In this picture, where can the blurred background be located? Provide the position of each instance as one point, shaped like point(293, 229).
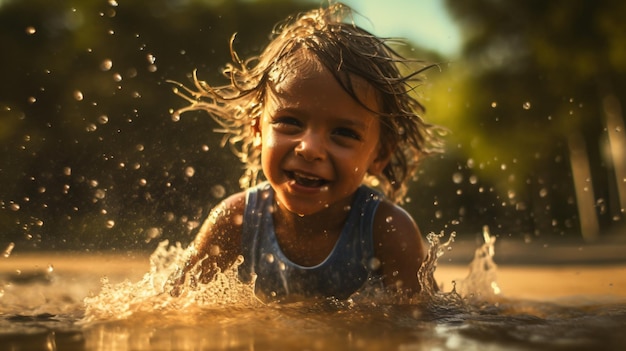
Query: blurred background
point(531, 91)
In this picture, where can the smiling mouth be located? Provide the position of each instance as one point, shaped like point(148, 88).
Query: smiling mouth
point(306, 180)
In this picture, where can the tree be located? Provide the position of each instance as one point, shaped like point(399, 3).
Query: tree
point(540, 82)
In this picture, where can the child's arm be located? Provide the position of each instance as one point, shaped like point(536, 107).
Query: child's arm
point(219, 240)
point(399, 247)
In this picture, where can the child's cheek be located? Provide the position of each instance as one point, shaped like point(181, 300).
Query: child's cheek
point(270, 141)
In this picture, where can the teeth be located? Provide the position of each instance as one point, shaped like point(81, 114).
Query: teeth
point(307, 180)
point(306, 177)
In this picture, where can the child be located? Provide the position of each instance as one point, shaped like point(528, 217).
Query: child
point(321, 112)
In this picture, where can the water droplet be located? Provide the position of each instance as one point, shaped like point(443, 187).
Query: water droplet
point(91, 127)
point(30, 30)
point(601, 205)
point(218, 191)
point(494, 104)
point(78, 95)
point(142, 182)
point(457, 178)
point(473, 180)
point(100, 194)
point(67, 171)
point(374, 263)
point(190, 171)
point(106, 65)
point(8, 250)
point(389, 219)
point(14, 207)
point(110, 223)
point(526, 105)
point(152, 233)
point(103, 119)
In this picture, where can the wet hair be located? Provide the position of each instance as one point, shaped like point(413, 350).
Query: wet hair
point(346, 51)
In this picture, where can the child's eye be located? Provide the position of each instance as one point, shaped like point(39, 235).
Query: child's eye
point(286, 124)
point(348, 133)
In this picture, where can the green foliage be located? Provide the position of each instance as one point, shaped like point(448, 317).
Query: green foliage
point(532, 75)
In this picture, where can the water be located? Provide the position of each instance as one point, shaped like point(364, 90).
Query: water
point(117, 302)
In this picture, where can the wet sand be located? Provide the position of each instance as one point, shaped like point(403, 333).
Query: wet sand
point(573, 283)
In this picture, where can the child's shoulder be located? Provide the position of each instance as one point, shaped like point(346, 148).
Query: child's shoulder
point(392, 220)
point(391, 215)
point(235, 202)
point(228, 213)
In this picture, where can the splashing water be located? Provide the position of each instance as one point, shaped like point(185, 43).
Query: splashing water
point(225, 314)
point(152, 292)
point(481, 283)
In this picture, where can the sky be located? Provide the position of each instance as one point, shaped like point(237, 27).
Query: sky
point(425, 23)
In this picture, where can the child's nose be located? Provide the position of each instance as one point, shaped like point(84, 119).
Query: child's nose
point(311, 147)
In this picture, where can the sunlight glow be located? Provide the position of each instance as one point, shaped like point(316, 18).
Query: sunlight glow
point(425, 23)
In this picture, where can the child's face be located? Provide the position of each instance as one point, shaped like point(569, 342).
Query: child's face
point(317, 142)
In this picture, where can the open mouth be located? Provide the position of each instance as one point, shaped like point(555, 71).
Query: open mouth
point(306, 180)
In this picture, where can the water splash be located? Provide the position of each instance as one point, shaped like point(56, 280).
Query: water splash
point(152, 292)
point(481, 283)
point(430, 294)
point(478, 289)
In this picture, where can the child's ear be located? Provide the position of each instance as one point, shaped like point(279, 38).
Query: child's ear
point(256, 131)
point(256, 126)
point(381, 161)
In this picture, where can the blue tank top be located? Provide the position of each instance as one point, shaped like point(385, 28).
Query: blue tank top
point(342, 273)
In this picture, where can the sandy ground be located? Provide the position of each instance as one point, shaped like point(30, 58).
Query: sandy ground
point(541, 283)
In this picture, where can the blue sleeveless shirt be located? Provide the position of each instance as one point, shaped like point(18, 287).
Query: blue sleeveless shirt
point(342, 273)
